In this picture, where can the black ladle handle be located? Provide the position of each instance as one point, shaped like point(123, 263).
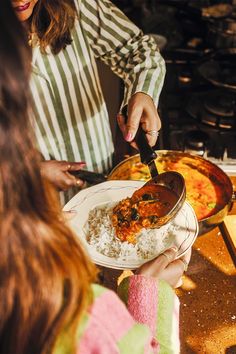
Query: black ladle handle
point(147, 154)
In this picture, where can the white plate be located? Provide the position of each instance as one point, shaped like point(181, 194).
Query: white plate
point(185, 222)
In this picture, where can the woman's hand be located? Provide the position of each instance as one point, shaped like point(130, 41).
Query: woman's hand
point(58, 173)
point(165, 267)
point(141, 110)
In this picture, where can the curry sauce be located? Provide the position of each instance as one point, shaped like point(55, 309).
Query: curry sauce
point(145, 209)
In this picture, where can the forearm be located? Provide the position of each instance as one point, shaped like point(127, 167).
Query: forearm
point(120, 44)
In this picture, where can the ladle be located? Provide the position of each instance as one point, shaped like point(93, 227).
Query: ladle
point(171, 180)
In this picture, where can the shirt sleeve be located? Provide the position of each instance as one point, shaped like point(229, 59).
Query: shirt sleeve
point(156, 305)
point(109, 328)
point(115, 40)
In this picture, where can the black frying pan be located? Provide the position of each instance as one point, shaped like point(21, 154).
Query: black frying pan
point(219, 68)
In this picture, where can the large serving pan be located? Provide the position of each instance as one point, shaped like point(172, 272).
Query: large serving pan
point(190, 165)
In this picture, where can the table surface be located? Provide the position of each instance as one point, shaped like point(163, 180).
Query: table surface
point(207, 296)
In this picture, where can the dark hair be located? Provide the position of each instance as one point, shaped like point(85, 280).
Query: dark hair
point(45, 276)
point(14, 57)
point(52, 22)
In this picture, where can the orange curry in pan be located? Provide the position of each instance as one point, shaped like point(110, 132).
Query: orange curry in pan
point(205, 191)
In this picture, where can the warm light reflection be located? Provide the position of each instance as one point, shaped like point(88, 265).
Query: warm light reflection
point(210, 246)
point(124, 274)
point(188, 283)
point(221, 337)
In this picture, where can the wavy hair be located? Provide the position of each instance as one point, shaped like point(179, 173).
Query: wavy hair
point(52, 22)
point(45, 276)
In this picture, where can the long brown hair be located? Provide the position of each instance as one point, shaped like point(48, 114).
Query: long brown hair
point(52, 22)
point(45, 275)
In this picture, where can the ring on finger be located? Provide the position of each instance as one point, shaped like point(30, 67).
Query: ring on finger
point(185, 264)
point(153, 132)
point(79, 183)
point(166, 255)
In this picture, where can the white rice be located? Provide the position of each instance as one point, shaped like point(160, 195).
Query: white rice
point(100, 234)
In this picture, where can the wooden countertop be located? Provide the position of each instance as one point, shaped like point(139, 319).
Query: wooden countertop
point(207, 296)
point(228, 228)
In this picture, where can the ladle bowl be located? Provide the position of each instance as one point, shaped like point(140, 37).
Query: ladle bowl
point(173, 182)
point(153, 205)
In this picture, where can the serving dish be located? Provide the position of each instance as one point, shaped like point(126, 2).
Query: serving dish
point(209, 189)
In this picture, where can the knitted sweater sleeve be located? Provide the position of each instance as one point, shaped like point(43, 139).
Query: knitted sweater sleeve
point(145, 321)
point(109, 328)
point(156, 305)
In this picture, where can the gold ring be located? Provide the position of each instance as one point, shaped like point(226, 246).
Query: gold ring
point(166, 255)
point(185, 264)
point(152, 132)
point(79, 182)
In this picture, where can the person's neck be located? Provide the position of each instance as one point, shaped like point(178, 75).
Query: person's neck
point(26, 25)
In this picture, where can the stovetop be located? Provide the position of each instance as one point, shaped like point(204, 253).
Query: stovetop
point(196, 115)
point(192, 124)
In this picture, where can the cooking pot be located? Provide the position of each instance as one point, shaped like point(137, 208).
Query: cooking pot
point(131, 168)
point(201, 9)
point(222, 33)
point(219, 68)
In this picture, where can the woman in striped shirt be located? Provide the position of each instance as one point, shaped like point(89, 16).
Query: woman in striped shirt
point(70, 115)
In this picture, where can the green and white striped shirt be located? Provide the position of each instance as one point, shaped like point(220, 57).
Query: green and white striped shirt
point(71, 119)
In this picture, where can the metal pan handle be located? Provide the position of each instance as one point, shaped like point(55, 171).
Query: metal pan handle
point(232, 201)
point(234, 196)
point(89, 176)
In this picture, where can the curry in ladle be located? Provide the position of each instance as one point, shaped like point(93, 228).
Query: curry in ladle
point(147, 208)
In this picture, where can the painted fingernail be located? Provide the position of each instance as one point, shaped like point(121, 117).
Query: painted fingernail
point(72, 211)
point(129, 136)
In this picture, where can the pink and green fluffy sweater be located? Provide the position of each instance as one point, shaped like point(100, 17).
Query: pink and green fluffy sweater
point(142, 319)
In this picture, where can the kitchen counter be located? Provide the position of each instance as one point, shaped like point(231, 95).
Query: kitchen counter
point(207, 296)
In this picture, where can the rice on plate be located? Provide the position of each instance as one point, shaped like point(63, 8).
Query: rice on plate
point(100, 234)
